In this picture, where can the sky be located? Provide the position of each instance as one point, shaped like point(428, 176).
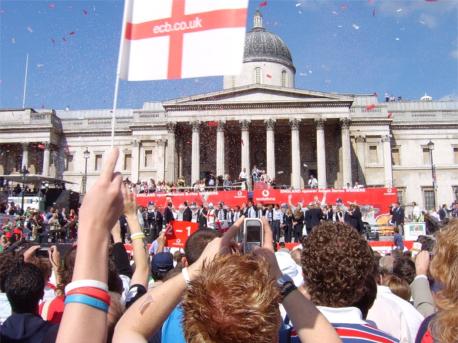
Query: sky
point(404, 48)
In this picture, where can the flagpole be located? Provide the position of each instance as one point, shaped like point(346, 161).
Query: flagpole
point(118, 72)
point(25, 80)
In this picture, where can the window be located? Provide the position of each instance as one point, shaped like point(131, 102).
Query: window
point(98, 162)
point(283, 78)
point(426, 156)
point(69, 162)
point(148, 158)
point(429, 200)
point(257, 75)
point(395, 157)
point(401, 195)
point(455, 155)
point(373, 154)
point(127, 161)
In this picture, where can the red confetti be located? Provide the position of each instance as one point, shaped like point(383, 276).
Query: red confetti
point(343, 7)
point(72, 33)
point(263, 4)
point(41, 146)
point(85, 12)
point(269, 76)
point(52, 6)
point(212, 124)
point(390, 114)
point(64, 39)
point(370, 107)
point(242, 142)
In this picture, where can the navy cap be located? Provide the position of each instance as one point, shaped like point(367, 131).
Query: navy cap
point(162, 262)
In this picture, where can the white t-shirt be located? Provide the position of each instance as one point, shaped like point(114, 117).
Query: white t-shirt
point(395, 316)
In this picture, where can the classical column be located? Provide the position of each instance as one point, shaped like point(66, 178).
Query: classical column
point(135, 163)
point(245, 128)
point(25, 155)
point(361, 154)
point(180, 157)
point(386, 140)
point(171, 160)
point(346, 153)
point(46, 159)
point(220, 153)
point(295, 155)
point(195, 156)
point(270, 148)
point(321, 154)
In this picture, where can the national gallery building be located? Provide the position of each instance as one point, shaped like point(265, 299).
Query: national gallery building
point(258, 118)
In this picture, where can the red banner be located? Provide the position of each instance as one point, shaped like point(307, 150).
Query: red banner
point(179, 233)
point(379, 198)
point(229, 198)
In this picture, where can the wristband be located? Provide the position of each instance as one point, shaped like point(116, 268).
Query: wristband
point(286, 289)
point(138, 235)
point(87, 300)
point(92, 292)
point(137, 238)
point(186, 277)
point(86, 283)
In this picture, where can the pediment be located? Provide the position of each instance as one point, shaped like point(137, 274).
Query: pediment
point(260, 94)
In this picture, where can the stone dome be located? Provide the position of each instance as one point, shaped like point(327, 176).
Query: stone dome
point(264, 46)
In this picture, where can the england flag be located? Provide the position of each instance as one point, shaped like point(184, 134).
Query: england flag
point(174, 39)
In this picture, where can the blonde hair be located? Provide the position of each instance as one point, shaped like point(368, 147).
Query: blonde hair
point(398, 286)
point(444, 269)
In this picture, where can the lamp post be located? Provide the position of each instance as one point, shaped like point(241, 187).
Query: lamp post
point(86, 155)
point(24, 173)
point(433, 170)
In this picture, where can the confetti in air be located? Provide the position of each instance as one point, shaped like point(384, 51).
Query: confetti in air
point(399, 10)
point(52, 6)
point(29, 29)
point(85, 12)
point(356, 27)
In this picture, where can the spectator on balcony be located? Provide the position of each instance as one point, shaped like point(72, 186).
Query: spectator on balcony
point(313, 182)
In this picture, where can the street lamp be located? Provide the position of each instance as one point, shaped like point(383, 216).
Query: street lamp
point(24, 173)
point(86, 155)
point(433, 170)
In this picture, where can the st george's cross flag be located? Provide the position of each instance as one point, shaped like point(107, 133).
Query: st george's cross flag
point(174, 39)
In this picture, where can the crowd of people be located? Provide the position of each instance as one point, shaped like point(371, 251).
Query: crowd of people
point(331, 287)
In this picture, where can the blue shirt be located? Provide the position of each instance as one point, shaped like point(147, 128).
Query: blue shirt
point(172, 331)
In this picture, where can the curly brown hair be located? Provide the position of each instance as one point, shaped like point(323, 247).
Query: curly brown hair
point(335, 262)
point(444, 269)
point(233, 300)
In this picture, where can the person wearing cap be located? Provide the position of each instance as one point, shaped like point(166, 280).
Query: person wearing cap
point(161, 264)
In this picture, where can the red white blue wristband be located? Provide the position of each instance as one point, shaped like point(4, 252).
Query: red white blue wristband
point(87, 300)
point(86, 283)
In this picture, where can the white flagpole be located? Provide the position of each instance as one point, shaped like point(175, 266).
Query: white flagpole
point(25, 80)
point(118, 72)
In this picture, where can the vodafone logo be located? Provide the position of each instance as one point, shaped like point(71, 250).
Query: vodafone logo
point(239, 193)
point(389, 190)
point(265, 193)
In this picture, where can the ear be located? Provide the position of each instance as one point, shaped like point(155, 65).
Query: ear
point(184, 262)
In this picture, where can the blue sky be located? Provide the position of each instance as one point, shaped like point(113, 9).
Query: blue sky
point(405, 48)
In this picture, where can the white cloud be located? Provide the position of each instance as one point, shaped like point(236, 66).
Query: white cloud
point(454, 54)
point(428, 20)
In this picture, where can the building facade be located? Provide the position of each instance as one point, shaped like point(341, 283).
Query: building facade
point(259, 118)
